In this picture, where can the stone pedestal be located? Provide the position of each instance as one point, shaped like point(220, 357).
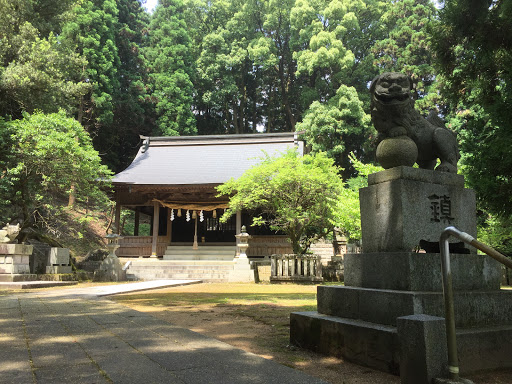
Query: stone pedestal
point(242, 271)
point(14, 262)
point(405, 209)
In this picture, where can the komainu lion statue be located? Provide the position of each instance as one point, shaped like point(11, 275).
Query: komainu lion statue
point(394, 116)
point(9, 232)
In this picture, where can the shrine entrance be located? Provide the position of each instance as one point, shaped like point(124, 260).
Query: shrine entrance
point(209, 228)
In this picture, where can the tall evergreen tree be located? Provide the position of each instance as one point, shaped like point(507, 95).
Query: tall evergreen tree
point(336, 78)
point(92, 32)
point(133, 110)
point(171, 70)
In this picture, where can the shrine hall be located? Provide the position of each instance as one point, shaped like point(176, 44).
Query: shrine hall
point(170, 187)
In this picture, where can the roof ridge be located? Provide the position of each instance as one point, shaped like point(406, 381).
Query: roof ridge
point(242, 136)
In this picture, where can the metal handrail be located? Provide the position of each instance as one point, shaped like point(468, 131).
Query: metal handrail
point(453, 365)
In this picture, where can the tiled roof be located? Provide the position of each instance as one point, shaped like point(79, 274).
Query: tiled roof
point(187, 160)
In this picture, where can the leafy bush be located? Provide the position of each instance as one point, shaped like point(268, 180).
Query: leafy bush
point(50, 155)
point(297, 195)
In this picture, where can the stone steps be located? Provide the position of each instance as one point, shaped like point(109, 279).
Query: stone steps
point(207, 271)
point(204, 252)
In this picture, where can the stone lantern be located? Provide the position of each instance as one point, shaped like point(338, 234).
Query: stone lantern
point(243, 242)
point(242, 270)
point(110, 268)
point(113, 244)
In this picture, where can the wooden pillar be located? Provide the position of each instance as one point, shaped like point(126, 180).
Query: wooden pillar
point(238, 222)
point(136, 222)
point(117, 219)
point(169, 226)
point(156, 219)
point(195, 246)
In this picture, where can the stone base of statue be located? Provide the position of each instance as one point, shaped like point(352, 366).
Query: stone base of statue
point(14, 262)
point(389, 315)
point(406, 208)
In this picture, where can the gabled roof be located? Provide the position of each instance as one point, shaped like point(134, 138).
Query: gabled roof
point(192, 160)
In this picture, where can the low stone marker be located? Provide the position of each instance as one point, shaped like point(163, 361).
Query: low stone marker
point(58, 261)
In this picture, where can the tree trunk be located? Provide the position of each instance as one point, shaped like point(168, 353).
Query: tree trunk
point(235, 117)
point(284, 95)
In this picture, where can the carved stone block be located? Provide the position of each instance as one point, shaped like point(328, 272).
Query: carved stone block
point(58, 256)
point(405, 209)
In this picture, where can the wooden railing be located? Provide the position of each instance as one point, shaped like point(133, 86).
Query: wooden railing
point(296, 268)
point(140, 246)
point(135, 246)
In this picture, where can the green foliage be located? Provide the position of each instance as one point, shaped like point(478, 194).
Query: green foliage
point(297, 195)
point(91, 32)
point(83, 57)
point(329, 127)
point(169, 53)
point(6, 160)
point(36, 71)
point(473, 42)
point(349, 214)
point(496, 231)
point(334, 59)
point(49, 153)
point(134, 113)
point(43, 75)
point(407, 48)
